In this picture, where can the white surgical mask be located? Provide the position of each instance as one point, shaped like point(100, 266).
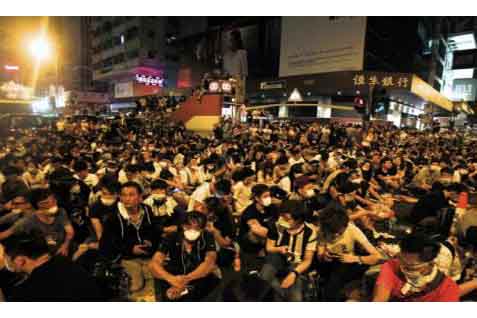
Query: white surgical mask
point(267, 201)
point(163, 164)
point(52, 211)
point(16, 211)
point(415, 282)
point(357, 181)
point(310, 193)
point(191, 235)
point(107, 201)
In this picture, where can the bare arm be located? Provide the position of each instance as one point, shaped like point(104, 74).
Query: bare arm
point(305, 264)
point(257, 229)
point(381, 293)
point(205, 268)
point(98, 227)
point(157, 269)
point(468, 287)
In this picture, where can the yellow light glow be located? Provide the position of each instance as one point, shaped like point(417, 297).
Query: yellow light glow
point(40, 49)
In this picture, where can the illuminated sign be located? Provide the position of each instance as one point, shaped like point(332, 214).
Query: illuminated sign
point(150, 80)
point(12, 67)
point(295, 96)
point(214, 87)
point(226, 87)
point(219, 86)
point(383, 80)
point(12, 90)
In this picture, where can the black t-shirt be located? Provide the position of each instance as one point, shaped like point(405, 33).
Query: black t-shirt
point(266, 219)
point(225, 225)
point(181, 262)
point(428, 206)
point(102, 212)
point(59, 279)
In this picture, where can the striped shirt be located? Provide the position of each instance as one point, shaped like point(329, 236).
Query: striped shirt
point(298, 243)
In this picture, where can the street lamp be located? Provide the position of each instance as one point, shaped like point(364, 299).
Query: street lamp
point(40, 49)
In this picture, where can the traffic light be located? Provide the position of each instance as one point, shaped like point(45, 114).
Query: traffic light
point(360, 104)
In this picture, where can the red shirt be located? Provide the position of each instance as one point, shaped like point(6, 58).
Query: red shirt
point(388, 277)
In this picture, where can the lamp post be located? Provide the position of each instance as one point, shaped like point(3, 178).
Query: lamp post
point(41, 49)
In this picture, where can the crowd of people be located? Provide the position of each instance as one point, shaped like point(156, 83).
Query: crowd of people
point(288, 211)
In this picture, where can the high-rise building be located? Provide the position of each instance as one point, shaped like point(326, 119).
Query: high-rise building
point(131, 55)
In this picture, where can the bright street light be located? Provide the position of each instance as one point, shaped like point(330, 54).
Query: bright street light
point(40, 49)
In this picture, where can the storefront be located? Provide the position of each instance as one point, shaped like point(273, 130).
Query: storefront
point(406, 95)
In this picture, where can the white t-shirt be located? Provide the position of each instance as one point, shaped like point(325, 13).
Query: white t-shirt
point(293, 161)
point(200, 194)
point(242, 196)
point(346, 242)
point(285, 184)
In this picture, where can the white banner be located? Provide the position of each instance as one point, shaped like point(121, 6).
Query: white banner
point(122, 90)
point(311, 45)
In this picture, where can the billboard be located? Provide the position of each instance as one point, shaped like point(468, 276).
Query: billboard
point(464, 89)
point(311, 45)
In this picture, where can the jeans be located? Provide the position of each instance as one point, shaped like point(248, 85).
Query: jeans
point(278, 264)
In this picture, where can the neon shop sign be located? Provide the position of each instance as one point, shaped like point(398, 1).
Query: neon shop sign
point(150, 80)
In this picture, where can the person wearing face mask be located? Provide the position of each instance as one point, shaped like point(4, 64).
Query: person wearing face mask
point(305, 191)
point(49, 220)
point(104, 206)
point(253, 227)
point(188, 274)
point(18, 207)
point(48, 277)
point(414, 276)
point(164, 206)
point(291, 245)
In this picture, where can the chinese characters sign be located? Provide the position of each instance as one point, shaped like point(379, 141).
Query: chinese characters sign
point(383, 80)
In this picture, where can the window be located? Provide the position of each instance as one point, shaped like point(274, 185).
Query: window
point(132, 33)
point(132, 54)
point(118, 59)
point(117, 40)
